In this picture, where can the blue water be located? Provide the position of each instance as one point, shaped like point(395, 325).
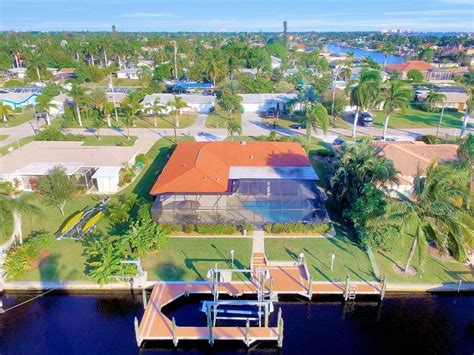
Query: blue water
point(360, 53)
point(103, 324)
point(273, 211)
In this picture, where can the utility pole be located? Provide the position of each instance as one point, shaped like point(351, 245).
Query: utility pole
point(175, 52)
point(111, 85)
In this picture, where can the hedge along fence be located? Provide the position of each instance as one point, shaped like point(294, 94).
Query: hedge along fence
point(208, 229)
point(23, 258)
point(323, 229)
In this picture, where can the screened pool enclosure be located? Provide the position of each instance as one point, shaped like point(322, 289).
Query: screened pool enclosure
point(254, 201)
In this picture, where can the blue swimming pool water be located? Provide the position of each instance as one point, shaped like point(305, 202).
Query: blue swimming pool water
point(277, 211)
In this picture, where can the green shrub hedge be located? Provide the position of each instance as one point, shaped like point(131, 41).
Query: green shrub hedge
point(300, 228)
point(18, 259)
point(207, 229)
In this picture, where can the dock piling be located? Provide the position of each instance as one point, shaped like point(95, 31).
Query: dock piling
point(310, 288)
point(247, 333)
point(175, 338)
point(280, 329)
point(144, 298)
point(384, 287)
point(209, 325)
point(347, 288)
point(137, 332)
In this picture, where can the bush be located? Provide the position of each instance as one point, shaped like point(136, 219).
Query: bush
point(428, 139)
point(297, 228)
point(13, 82)
point(141, 158)
point(248, 227)
point(18, 110)
point(126, 175)
point(54, 134)
point(215, 229)
point(189, 228)
point(18, 259)
point(171, 228)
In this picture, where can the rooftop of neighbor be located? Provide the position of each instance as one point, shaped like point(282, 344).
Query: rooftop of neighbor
point(42, 156)
point(205, 167)
point(196, 99)
point(410, 65)
point(409, 157)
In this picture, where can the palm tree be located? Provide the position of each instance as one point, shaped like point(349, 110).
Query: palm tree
point(43, 103)
point(365, 94)
point(5, 110)
point(467, 112)
point(436, 212)
point(387, 49)
point(234, 127)
point(98, 99)
point(434, 98)
point(97, 124)
point(132, 107)
point(306, 96)
point(77, 93)
point(157, 108)
point(19, 206)
point(178, 104)
point(316, 117)
point(396, 98)
point(350, 57)
point(144, 73)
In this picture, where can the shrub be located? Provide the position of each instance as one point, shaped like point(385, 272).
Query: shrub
point(13, 82)
point(428, 139)
point(248, 227)
point(126, 175)
point(300, 228)
point(189, 228)
point(215, 229)
point(18, 259)
point(141, 158)
point(171, 228)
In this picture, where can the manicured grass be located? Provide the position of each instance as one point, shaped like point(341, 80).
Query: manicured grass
point(3, 137)
point(433, 270)
point(190, 258)
point(350, 258)
point(16, 119)
point(219, 119)
point(21, 142)
point(66, 262)
point(110, 141)
point(414, 118)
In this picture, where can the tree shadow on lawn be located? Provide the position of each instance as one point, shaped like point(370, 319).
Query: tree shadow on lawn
point(324, 275)
point(169, 271)
point(291, 253)
point(315, 257)
point(367, 278)
point(466, 276)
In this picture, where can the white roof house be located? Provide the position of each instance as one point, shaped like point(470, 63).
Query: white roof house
point(275, 62)
point(93, 167)
point(196, 102)
point(19, 73)
point(263, 102)
point(129, 73)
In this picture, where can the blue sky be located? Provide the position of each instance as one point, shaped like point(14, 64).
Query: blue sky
point(236, 15)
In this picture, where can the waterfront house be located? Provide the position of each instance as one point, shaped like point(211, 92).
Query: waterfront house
point(412, 158)
point(237, 182)
point(455, 96)
point(65, 74)
point(429, 71)
point(196, 102)
point(263, 102)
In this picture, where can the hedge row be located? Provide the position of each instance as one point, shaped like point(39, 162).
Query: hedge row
point(208, 229)
point(301, 228)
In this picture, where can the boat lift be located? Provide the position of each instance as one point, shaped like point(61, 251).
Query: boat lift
point(239, 310)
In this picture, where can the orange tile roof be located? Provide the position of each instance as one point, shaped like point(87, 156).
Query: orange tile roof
point(204, 166)
point(67, 70)
point(408, 157)
point(410, 65)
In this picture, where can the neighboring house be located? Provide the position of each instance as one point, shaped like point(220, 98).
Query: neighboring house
point(15, 73)
point(290, 72)
point(429, 71)
point(300, 47)
point(129, 73)
point(59, 102)
point(275, 62)
point(95, 169)
point(456, 96)
point(186, 86)
point(413, 158)
point(232, 182)
point(65, 74)
point(195, 102)
point(18, 99)
point(248, 71)
point(263, 102)
point(146, 63)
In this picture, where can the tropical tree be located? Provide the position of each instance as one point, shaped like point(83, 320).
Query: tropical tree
point(215, 66)
point(44, 104)
point(143, 235)
point(317, 116)
point(56, 188)
point(132, 107)
point(230, 102)
point(397, 97)
point(234, 127)
point(77, 93)
point(98, 99)
point(436, 212)
point(145, 74)
point(157, 108)
point(178, 104)
point(434, 98)
point(97, 124)
point(387, 49)
point(365, 94)
point(469, 108)
point(415, 76)
point(306, 96)
point(17, 207)
point(5, 111)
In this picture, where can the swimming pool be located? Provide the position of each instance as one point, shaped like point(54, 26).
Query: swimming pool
point(280, 211)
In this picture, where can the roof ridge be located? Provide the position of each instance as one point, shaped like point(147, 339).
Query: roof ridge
point(401, 147)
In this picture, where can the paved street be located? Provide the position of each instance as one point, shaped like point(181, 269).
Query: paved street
point(251, 126)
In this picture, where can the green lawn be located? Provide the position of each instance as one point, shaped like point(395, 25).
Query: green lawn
point(190, 258)
point(219, 119)
point(17, 119)
point(350, 259)
point(110, 141)
point(3, 137)
point(434, 270)
point(21, 142)
point(414, 118)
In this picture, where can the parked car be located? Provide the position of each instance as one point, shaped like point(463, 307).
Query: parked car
point(387, 139)
point(366, 119)
point(338, 141)
point(298, 126)
point(271, 113)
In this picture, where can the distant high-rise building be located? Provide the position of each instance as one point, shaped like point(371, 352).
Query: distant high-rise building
point(285, 28)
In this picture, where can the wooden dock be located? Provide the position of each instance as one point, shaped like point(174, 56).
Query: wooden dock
point(271, 278)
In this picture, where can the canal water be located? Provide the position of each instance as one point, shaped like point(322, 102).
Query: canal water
point(103, 324)
point(361, 53)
